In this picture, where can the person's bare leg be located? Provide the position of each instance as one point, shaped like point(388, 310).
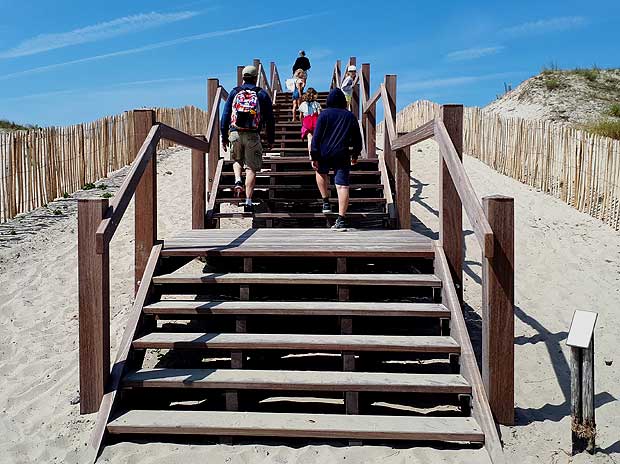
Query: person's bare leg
point(322, 182)
point(237, 170)
point(250, 182)
point(309, 143)
point(343, 199)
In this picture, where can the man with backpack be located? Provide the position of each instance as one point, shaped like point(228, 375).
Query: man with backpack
point(302, 62)
point(247, 109)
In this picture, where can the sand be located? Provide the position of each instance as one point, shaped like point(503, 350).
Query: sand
point(565, 260)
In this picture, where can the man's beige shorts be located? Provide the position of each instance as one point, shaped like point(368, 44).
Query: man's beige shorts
point(245, 148)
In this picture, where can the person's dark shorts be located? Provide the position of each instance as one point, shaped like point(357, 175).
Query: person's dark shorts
point(341, 171)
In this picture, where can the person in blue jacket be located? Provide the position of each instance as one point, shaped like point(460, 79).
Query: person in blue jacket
point(247, 109)
point(336, 145)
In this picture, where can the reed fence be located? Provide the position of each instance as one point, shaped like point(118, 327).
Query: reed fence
point(580, 168)
point(40, 165)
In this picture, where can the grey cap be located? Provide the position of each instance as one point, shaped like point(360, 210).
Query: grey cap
point(250, 71)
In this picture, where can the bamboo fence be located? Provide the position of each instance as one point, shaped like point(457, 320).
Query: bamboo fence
point(580, 168)
point(40, 165)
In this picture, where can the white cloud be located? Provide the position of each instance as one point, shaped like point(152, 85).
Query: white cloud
point(452, 81)
point(168, 43)
point(473, 53)
point(120, 26)
point(543, 26)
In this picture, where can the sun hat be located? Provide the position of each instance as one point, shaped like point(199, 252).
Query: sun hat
point(250, 71)
point(352, 68)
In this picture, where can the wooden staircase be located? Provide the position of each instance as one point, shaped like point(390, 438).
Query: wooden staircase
point(319, 335)
point(286, 194)
point(298, 334)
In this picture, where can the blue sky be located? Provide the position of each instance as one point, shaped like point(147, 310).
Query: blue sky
point(62, 64)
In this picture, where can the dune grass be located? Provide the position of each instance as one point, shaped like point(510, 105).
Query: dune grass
point(606, 127)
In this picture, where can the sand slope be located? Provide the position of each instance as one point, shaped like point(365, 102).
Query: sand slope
point(565, 261)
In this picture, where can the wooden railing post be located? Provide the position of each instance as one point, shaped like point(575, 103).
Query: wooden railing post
point(390, 87)
point(498, 310)
point(402, 181)
point(355, 97)
point(450, 206)
point(146, 196)
point(94, 306)
point(240, 75)
point(214, 141)
point(369, 120)
point(272, 76)
point(199, 186)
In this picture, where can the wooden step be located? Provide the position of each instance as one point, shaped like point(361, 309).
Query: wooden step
point(238, 379)
point(306, 187)
point(350, 215)
point(302, 342)
point(297, 308)
point(329, 426)
point(302, 200)
point(418, 280)
point(308, 172)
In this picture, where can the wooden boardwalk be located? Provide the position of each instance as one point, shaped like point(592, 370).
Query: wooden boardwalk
point(289, 329)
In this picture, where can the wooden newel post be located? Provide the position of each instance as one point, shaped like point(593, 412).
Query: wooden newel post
point(369, 119)
point(214, 141)
point(450, 206)
point(146, 196)
point(402, 181)
point(240, 75)
point(581, 341)
point(388, 155)
point(498, 310)
point(199, 187)
point(94, 306)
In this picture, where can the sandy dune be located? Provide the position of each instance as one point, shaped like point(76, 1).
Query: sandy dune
point(565, 261)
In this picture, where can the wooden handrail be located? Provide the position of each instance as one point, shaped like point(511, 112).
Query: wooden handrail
point(214, 114)
point(367, 106)
point(224, 96)
point(181, 138)
point(117, 208)
point(419, 134)
point(466, 191)
point(115, 212)
point(388, 116)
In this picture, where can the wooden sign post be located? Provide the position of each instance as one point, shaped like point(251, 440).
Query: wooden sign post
point(581, 341)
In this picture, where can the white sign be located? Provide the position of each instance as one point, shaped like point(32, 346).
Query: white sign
point(581, 329)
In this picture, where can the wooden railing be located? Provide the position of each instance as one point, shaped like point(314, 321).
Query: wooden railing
point(98, 220)
point(492, 223)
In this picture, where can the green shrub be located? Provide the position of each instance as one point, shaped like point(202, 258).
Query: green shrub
point(606, 128)
point(65, 195)
point(102, 186)
point(552, 83)
point(57, 212)
point(588, 74)
point(550, 69)
point(107, 195)
point(614, 110)
point(89, 186)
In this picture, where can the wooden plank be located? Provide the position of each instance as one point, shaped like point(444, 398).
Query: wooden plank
point(94, 306)
point(369, 118)
point(469, 367)
point(587, 398)
point(420, 280)
point(199, 188)
point(354, 214)
point(253, 341)
point(212, 207)
point(213, 129)
point(329, 426)
point(181, 138)
point(498, 310)
point(387, 191)
point(297, 308)
point(424, 132)
point(309, 172)
point(145, 197)
point(306, 187)
point(303, 200)
point(126, 191)
point(576, 373)
point(372, 101)
point(388, 94)
point(297, 380)
point(420, 251)
point(402, 182)
point(463, 191)
point(120, 363)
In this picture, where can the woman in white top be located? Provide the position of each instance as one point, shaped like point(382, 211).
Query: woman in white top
point(348, 82)
point(300, 77)
point(309, 109)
